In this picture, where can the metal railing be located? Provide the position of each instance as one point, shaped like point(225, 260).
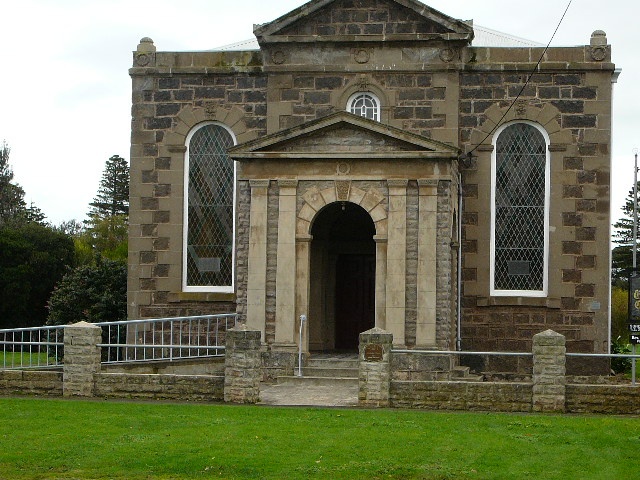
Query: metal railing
point(35, 347)
point(165, 339)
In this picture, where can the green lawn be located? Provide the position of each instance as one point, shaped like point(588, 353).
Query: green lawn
point(58, 439)
point(17, 359)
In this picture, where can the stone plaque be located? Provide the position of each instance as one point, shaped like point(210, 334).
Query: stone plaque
point(373, 352)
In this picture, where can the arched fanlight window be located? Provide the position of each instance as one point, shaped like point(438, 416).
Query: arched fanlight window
point(520, 210)
point(364, 104)
point(208, 253)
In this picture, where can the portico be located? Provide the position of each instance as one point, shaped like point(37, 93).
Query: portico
point(351, 199)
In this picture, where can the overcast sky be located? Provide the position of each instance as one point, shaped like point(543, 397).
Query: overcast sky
point(65, 91)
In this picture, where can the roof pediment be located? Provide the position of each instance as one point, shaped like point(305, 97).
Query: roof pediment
point(363, 21)
point(343, 135)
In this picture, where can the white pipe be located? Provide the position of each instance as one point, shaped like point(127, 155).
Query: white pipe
point(303, 318)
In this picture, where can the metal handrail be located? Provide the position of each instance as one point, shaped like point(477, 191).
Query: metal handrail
point(153, 340)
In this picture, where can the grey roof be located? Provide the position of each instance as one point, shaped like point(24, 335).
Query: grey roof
point(484, 37)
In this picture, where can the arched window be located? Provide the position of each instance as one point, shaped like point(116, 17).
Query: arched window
point(365, 104)
point(208, 253)
point(520, 213)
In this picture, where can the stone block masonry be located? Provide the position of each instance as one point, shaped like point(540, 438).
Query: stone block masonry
point(243, 363)
point(81, 359)
point(375, 368)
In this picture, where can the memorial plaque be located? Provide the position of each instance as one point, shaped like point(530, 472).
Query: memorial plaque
point(373, 352)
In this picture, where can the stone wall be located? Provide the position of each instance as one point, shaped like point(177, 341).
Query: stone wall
point(159, 386)
point(574, 109)
point(29, 382)
point(605, 399)
point(447, 395)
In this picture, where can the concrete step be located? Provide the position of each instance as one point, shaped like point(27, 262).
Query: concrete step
point(318, 381)
point(459, 372)
point(462, 374)
point(329, 371)
point(338, 362)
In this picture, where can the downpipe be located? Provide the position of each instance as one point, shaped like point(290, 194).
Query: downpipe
point(459, 269)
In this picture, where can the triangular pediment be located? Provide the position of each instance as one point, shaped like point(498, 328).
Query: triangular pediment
point(364, 20)
point(343, 135)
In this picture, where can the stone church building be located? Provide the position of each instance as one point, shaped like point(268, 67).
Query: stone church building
point(375, 163)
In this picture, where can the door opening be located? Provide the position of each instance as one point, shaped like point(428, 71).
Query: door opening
point(342, 289)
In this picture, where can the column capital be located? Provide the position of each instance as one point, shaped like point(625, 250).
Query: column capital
point(428, 186)
point(287, 183)
point(259, 183)
point(397, 182)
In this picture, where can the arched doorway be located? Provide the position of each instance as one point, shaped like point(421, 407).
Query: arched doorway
point(342, 289)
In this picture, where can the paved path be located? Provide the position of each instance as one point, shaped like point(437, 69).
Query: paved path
point(312, 395)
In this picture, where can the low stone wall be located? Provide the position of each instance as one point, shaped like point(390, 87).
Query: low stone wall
point(159, 387)
point(609, 399)
point(196, 366)
point(481, 396)
point(31, 382)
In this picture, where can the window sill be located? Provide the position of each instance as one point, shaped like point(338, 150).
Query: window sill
point(177, 297)
point(547, 302)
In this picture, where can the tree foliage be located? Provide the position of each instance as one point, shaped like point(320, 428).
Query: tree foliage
point(91, 293)
point(622, 255)
point(33, 258)
point(113, 194)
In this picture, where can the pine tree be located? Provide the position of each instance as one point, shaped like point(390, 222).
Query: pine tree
point(622, 256)
point(107, 226)
point(113, 193)
point(12, 204)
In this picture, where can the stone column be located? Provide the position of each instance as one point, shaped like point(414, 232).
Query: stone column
point(381, 281)
point(374, 360)
point(303, 262)
point(242, 365)
point(81, 359)
point(257, 260)
point(396, 260)
point(427, 273)
point(286, 267)
point(549, 381)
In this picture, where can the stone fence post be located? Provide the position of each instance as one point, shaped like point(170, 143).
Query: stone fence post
point(81, 359)
point(242, 365)
point(549, 368)
point(374, 360)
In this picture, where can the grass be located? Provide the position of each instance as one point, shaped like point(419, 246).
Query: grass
point(25, 358)
point(58, 439)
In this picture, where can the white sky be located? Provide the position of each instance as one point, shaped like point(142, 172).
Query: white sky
point(65, 91)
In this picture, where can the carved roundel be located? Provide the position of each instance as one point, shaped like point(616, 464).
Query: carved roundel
point(343, 168)
point(361, 56)
point(143, 59)
point(447, 54)
point(278, 57)
point(598, 53)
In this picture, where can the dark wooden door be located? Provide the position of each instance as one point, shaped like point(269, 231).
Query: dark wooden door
point(355, 299)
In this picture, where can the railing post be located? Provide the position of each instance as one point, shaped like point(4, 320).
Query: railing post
point(242, 365)
point(374, 360)
point(81, 359)
point(549, 369)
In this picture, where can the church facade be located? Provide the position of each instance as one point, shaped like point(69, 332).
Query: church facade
point(374, 163)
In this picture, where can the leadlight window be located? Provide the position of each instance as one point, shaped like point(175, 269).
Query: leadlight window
point(364, 104)
point(520, 211)
point(209, 218)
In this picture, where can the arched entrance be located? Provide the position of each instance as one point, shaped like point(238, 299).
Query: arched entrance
point(342, 289)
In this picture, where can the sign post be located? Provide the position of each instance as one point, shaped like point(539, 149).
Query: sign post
point(634, 318)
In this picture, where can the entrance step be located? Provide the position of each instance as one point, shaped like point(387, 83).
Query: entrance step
point(318, 381)
point(463, 374)
point(329, 372)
